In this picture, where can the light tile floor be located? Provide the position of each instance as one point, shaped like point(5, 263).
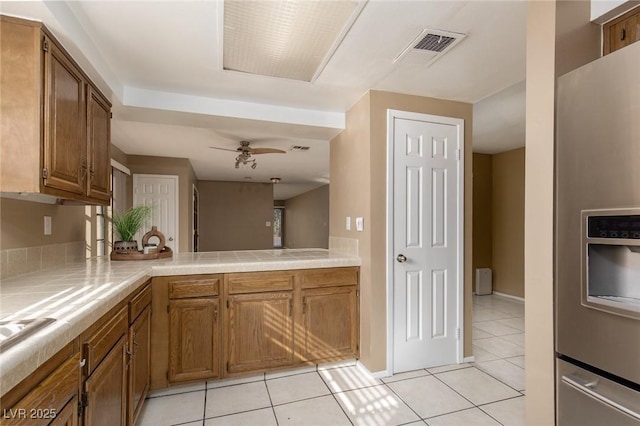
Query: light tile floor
point(487, 392)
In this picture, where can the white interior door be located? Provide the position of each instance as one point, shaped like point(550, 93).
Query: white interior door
point(161, 192)
point(427, 255)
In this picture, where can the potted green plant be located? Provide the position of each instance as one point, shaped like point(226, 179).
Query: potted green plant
point(127, 224)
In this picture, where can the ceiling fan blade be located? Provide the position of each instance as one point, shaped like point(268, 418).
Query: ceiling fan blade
point(223, 149)
point(256, 151)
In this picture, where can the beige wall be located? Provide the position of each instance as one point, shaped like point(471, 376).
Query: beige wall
point(306, 219)
point(482, 206)
point(22, 224)
point(350, 195)
point(559, 38)
point(182, 168)
point(233, 215)
point(358, 174)
point(508, 222)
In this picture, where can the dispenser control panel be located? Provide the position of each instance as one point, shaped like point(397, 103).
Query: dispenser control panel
point(625, 227)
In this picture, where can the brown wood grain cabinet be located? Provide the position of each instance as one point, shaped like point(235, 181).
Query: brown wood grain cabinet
point(54, 122)
point(47, 396)
point(116, 356)
point(139, 363)
point(621, 31)
point(185, 329)
point(105, 356)
point(329, 324)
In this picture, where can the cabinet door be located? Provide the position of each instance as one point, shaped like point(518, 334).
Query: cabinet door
point(329, 323)
point(99, 146)
point(106, 389)
point(64, 154)
point(194, 339)
point(68, 416)
point(259, 331)
point(139, 367)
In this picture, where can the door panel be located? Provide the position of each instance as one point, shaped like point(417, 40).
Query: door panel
point(65, 134)
point(99, 131)
point(426, 229)
point(259, 331)
point(160, 192)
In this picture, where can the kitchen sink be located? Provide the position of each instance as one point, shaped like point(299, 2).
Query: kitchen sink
point(15, 331)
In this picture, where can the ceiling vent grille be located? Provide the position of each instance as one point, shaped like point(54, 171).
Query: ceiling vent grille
point(428, 46)
point(434, 43)
point(299, 148)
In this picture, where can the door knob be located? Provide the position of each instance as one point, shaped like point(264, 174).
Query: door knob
point(401, 258)
point(170, 238)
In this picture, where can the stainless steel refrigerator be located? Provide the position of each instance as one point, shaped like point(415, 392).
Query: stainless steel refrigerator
point(597, 253)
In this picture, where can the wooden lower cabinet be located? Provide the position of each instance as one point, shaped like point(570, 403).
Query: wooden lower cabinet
point(329, 324)
point(259, 331)
point(106, 389)
point(44, 398)
point(139, 365)
point(193, 339)
point(68, 416)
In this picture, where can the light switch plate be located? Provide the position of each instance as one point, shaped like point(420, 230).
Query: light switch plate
point(47, 225)
point(359, 224)
point(267, 224)
point(348, 223)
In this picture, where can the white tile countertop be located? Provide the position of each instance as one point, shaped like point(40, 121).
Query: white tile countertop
point(78, 294)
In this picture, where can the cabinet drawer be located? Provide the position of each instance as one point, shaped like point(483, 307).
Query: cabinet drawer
point(258, 282)
point(99, 343)
point(185, 288)
point(46, 400)
point(329, 277)
point(139, 302)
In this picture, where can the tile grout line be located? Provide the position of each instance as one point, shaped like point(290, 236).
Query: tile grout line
point(273, 409)
point(335, 399)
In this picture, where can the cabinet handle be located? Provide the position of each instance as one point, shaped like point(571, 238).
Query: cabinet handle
point(84, 170)
point(129, 356)
point(215, 314)
point(304, 305)
point(135, 346)
point(623, 34)
point(290, 307)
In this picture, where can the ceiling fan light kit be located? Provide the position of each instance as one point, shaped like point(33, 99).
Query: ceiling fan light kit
point(246, 152)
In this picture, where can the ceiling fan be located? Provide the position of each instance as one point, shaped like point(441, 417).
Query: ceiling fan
point(245, 153)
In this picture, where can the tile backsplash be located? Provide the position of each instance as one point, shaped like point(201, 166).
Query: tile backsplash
point(31, 259)
point(347, 246)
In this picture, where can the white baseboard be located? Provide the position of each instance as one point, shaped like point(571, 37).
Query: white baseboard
point(508, 296)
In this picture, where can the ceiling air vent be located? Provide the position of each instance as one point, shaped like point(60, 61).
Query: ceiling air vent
point(434, 43)
point(299, 148)
point(428, 46)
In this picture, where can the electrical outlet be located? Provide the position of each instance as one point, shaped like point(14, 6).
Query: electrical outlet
point(267, 224)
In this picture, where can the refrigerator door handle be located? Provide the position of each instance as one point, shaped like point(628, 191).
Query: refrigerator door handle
point(588, 387)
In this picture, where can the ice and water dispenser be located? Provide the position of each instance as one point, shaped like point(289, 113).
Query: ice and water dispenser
point(611, 261)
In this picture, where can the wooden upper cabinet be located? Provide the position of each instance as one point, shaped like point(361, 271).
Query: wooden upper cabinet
point(99, 146)
point(54, 124)
point(622, 31)
point(64, 132)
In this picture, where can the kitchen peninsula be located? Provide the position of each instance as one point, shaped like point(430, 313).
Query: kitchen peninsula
point(90, 301)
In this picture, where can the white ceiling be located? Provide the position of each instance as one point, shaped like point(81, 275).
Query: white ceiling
point(162, 63)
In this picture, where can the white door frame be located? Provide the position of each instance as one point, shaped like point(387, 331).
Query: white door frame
point(175, 246)
point(391, 116)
